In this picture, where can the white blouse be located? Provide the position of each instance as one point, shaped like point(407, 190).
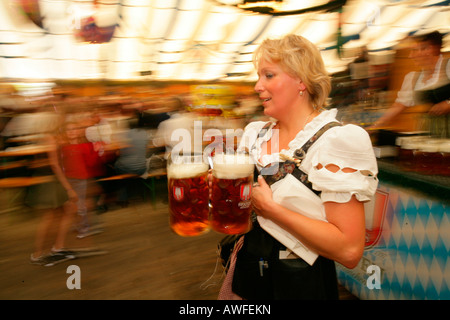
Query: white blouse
point(441, 76)
point(346, 146)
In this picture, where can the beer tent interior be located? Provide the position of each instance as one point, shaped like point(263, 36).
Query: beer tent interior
point(207, 40)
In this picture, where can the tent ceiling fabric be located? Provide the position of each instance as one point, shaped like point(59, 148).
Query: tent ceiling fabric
point(193, 39)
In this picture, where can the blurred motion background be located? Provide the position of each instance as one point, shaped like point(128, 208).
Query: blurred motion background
point(111, 67)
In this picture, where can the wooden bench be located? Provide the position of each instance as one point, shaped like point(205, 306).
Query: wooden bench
point(21, 182)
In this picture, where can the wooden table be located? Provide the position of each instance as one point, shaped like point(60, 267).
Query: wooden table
point(17, 182)
point(24, 150)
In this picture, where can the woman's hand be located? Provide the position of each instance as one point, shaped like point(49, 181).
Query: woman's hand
point(440, 108)
point(72, 195)
point(261, 197)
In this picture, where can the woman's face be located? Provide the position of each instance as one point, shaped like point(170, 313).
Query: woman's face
point(423, 52)
point(278, 90)
point(73, 131)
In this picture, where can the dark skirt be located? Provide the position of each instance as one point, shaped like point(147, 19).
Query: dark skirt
point(260, 274)
point(50, 195)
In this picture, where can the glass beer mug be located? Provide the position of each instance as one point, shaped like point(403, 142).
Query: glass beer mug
point(232, 179)
point(188, 194)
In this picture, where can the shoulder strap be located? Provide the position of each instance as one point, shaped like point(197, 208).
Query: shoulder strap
point(277, 171)
point(264, 129)
point(301, 152)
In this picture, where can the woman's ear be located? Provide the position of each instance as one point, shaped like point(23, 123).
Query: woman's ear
point(301, 85)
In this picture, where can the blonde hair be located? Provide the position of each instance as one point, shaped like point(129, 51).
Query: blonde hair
point(301, 59)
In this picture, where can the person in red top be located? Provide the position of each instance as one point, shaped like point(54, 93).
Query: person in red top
point(81, 164)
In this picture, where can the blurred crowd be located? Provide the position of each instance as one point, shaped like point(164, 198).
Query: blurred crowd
point(102, 138)
point(79, 156)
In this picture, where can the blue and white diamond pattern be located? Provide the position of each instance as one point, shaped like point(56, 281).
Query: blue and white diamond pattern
point(413, 251)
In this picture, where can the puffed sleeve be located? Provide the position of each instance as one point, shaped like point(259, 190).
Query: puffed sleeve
point(350, 147)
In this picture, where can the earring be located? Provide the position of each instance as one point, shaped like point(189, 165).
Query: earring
point(301, 92)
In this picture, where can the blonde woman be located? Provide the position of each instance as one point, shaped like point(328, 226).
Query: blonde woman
point(301, 229)
point(55, 200)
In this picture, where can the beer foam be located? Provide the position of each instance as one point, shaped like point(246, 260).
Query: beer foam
point(186, 170)
point(229, 166)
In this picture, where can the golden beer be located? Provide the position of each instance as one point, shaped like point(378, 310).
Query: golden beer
point(232, 180)
point(188, 195)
